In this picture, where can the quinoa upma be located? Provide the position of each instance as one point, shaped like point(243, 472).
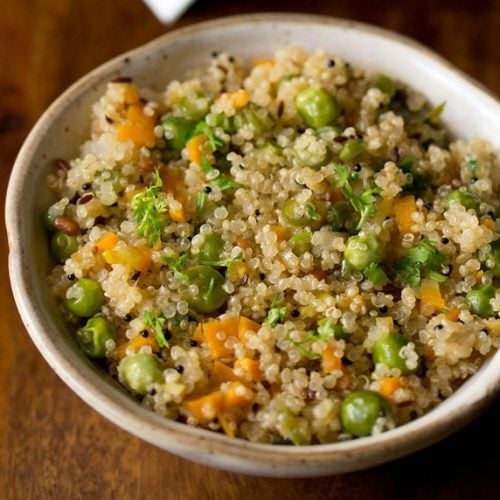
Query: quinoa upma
point(287, 252)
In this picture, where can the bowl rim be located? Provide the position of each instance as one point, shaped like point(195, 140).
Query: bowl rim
point(200, 444)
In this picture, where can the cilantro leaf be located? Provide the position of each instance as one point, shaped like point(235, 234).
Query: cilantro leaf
point(365, 203)
point(149, 211)
point(223, 262)
point(176, 264)
point(406, 163)
point(223, 182)
point(275, 314)
point(157, 324)
point(204, 128)
point(376, 274)
point(423, 259)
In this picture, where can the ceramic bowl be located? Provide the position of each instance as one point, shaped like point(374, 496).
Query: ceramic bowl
point(470, 111)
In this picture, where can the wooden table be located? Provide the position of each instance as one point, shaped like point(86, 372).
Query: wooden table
point(52, 445)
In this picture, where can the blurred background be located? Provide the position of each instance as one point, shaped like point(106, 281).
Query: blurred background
point(54, 446)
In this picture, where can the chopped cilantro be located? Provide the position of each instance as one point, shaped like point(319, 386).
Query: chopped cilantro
point(223, 182)
point(364, 203)
point(310, 211)
point(157, 324)
point(204, 128)
point(421, 260)
point(376, 274)
point(201, 202)
point(275, 314)
point(406, 163)
point(176, 264)
point(149, 211)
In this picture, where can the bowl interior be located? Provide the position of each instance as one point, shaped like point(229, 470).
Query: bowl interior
point(469, 112)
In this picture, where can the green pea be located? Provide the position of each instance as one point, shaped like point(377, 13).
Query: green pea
point(466, 199)
point(211, 248)
point(211, 294)
point(362, 250)
point(351, 149)
point(495, 257)
point(93, 336)
point(252, 115)
point(317, 107)
point(140, 371)
point(387, 351)
point(63, 246)
point(479, 300)
point(87, 298)
point(386, 85)
point(328, 328)
point(359, 412)
point(194, 108)
point(301, 242)
point(298, 215)
point(176, 130)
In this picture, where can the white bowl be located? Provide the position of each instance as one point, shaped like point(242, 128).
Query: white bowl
point(470, 111)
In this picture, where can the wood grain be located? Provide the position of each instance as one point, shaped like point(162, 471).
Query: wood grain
point(54, 446)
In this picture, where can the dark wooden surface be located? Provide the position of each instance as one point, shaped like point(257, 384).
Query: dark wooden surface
point(52, 445)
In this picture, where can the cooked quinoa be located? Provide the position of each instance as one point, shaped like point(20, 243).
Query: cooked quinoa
point(284, 251)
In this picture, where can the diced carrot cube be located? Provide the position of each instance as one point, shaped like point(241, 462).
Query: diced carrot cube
point(136, 343)
point(430, 294)
point(239, 98)
point(216, 334)
point(250, 367)
point(281, 232)
point(107, 242)
point(205, 408)
point(389, 385)
point(222, 373)
point(246, 325)
point(194, 147)
point(237, 395)
point(330, 361)
point(489, 223)
point(452, 314)
point(404, 208)
point(131, 94)
point(261, 61)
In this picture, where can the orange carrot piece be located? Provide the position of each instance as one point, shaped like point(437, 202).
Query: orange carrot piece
point(489, 223)
point(389, 385)
point(222, 373)
point(430, 294)
point(205, 408)
point(452, 314)
point(240, 98)
point(403, 209)
point(131, 94)
point(194, 146)
point(107, 242)
point(250, 367)
point(138, 127)
point(237, 395)
point(217, 332)
point(138, 258)
point(330, 361)
point(246, 325)
point(136, 343)
point(281, 232)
